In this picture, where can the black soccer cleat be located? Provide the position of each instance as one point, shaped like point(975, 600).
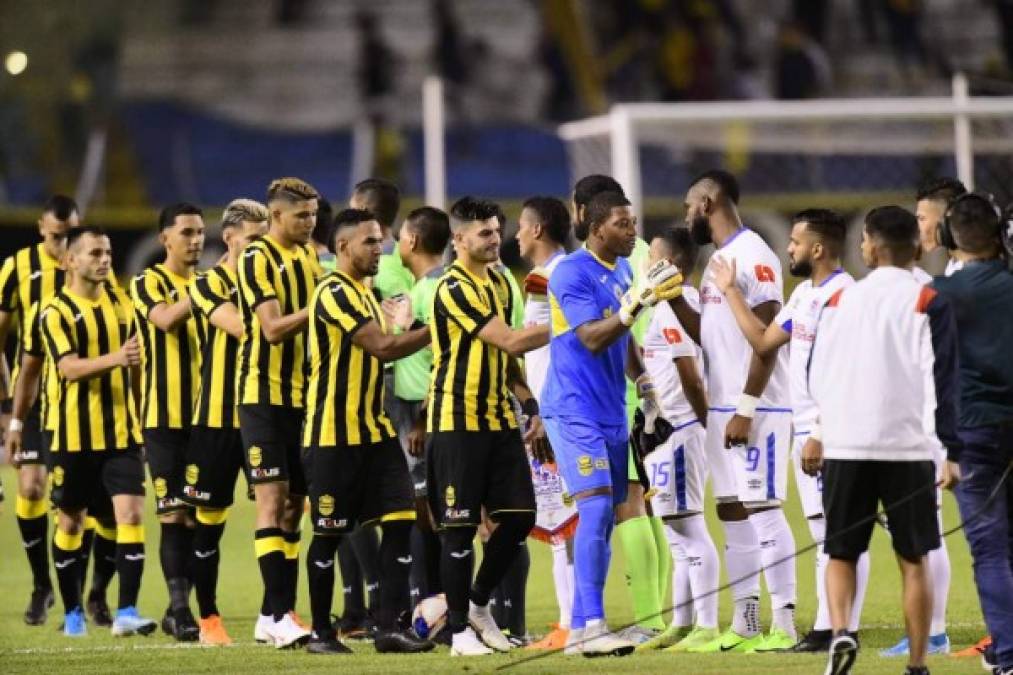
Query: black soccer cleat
point(98, 610)
point(168, 623)
point(326, 644)
point(916, 670)
point(401, 642)
point(38, 606)
point(814, 641)
point(843, 651)
point(185, 628)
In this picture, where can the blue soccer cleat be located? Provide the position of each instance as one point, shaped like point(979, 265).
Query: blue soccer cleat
point(127, 622)
point(938, 644)
point(74, 624)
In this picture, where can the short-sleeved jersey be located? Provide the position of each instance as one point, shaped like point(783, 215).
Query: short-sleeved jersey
point(581, 383)
point(726, 352)
point(412, 373)
point(665, 341)
point(34, 345)
point(537, 313)
point(216, 391)
point(799, 318)
point(344, 388)
point(28, 277)
point(516, 316)
point(392, 277)
point(273, 374)
point(468, 391)
point(97, 413)
point(170, 360)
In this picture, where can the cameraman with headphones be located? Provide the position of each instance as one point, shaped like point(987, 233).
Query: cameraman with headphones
point(982, 296)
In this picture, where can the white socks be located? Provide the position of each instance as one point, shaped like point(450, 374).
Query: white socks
point(939, 573)
point(682, 591)
point(691, 535)
point(562, 575)
point(742, 559)
point(746, 617)
point(861, 584)
point(818, 529)
point(777, 551)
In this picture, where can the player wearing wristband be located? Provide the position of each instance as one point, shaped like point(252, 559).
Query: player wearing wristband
point(592, 307)
point(749, 421)
point(29, 277)
point(814, 253)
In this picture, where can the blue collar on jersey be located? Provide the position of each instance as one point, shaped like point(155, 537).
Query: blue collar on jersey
point(832, 275)
point(732, 238)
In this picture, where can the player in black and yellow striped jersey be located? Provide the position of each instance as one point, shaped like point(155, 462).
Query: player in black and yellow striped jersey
point(215, 455)
point(277, 274)
point(170, 368)
point(477, 457)
point(97, 466)
point(358, 474)
point(28, 277)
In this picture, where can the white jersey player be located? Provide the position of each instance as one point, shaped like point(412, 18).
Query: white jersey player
point(749, 421)
point(544, 227)
point(817, 238)
point(677, 468)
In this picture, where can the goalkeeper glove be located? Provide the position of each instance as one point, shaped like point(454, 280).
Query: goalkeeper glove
point(663, 281)
point(648, 402)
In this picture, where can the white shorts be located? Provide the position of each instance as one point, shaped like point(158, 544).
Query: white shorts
point(556, 515)
point(677, 470)
point(755, 473)
point(810, 488)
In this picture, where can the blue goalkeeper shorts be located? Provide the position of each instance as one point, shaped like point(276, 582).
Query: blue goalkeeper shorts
point(590, 455)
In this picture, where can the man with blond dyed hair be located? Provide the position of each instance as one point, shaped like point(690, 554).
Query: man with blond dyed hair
point(215, 456)
point(277, 274)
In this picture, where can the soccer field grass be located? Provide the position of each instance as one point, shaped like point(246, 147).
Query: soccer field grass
point(45, 650)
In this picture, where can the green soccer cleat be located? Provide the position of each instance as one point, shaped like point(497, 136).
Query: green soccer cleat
point(698, 637)
point(665, 638)
point(777, 640)
point(729, 641)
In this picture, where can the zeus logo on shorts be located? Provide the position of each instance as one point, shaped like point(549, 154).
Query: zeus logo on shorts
point(193, 493)
point(260, 474)
point(332, 523)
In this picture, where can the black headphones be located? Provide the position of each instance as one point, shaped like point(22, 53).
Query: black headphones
point(945, 232)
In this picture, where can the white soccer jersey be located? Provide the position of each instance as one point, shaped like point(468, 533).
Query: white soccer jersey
point(536, 313)
point(726, 352)
point(798, 318)
point(664, 341)
point(920, 275)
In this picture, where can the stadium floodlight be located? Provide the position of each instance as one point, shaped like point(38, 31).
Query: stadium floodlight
point(844, 150)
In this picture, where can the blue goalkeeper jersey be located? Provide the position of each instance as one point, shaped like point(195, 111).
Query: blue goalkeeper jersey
point(579, 383)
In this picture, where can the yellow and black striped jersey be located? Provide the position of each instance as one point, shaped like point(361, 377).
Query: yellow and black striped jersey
point(97, 413)
point(344, 388)
point(468, 391)
point(170, 361)
point(216, 393)
point(28, 277)
point(273, 374)
point(49, 387)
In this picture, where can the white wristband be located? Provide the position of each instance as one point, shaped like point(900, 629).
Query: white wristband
point(816, 433)
point(626, 317)
point(15, 425)
point(747, 406)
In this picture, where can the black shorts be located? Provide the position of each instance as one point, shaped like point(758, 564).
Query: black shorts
point(272, 436)
point(214, 461)
point(852, 492)
point(472, 469)
point(34, 449)
point(89, 479)
point(359, 484)
point(165, 450)
point(403, 415)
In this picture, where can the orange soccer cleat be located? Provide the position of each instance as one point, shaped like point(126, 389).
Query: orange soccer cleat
point(975, 649)
point(299, 622)
point(212, 632)
point(556, 639)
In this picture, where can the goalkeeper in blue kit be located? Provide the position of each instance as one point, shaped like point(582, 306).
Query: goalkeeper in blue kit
point(583, 402)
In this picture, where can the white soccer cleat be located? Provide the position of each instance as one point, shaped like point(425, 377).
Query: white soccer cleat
point(598, 641)
point(481, 620)
point(574, 642)
point(260, 629)
point(466, 643)
point(287, 633)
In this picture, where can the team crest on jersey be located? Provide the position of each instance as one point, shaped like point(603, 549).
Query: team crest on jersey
point(58, 476)
point(450, 496)
point(567, 500)
point(192, 472)
point(606, 313)
point(585, 466)
point(161, 488)
point(255, 455)
point(325, 505)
